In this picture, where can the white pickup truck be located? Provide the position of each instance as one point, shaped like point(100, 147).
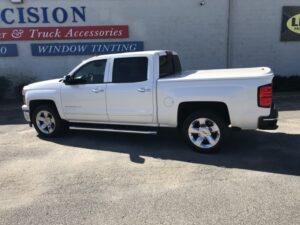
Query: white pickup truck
point(141, 92)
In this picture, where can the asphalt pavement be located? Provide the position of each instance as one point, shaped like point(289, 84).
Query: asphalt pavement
point(109, 178)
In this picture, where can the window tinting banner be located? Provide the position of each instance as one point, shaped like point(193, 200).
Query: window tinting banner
point(90, 48)
point(290, 29)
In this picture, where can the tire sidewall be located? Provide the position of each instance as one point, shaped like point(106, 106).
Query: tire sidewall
point(215, 118)
point(58, 122)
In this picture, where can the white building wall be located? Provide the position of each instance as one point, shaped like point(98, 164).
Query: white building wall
point(198, 33)
point(255, 37)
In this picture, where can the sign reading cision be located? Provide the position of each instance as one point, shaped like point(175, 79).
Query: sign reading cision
point(63, 33)
point(45, 15)
point(91, 48)
point(47, 24)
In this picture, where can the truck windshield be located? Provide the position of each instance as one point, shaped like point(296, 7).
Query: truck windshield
point(169, 65)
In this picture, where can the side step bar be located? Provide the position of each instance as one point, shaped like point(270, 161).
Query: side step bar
point(151, 132)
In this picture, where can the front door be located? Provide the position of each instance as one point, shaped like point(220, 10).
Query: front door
point(130, 96)
point(85, 100)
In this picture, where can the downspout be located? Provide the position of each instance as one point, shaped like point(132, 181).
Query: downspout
point(228, 47)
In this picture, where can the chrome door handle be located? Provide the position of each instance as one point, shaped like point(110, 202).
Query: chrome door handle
point(97, 90)
point(141, 89)
point(144, 89)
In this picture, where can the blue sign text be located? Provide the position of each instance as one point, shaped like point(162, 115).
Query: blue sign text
point(91, 48)
point(8, 50)
point(33, 15)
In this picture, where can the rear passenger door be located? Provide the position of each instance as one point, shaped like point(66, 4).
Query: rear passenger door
point(130, 96)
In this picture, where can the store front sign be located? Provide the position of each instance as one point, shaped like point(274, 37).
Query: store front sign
point(45, 23)
point(45, 15)
point(290, 30)
point(63, 33)
point(91, 48)
point(8, 50)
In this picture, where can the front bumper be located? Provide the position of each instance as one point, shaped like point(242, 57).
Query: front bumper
point(269, 122)
point(26, 113)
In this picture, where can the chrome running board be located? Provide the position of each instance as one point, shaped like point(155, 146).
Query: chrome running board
point(114, 130)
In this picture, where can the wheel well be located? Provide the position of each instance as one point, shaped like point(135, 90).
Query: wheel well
point(187, 108)
point(35, 103)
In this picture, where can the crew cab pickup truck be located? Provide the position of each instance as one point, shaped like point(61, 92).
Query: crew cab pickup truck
point(141, 92)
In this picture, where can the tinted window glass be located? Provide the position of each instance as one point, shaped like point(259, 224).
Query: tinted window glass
point(130, 70)
point(169, 65)
point(177, 64)
point(92, 72)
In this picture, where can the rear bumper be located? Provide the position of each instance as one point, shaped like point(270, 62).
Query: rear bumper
point(26, 113)
point(269, 122)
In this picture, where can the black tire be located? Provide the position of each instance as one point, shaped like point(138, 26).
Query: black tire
point(204, 131)
point(59, 125)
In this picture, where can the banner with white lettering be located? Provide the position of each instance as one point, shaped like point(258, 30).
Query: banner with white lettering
point(91, 48)
point(63, 33)
point(8, 50)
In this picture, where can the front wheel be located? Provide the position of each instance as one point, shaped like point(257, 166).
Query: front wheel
point(47, 121)
point(205, 131)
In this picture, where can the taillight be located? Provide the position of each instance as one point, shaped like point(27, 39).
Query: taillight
point(265, 96)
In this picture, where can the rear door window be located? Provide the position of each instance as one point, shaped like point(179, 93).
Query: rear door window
point(130, 70)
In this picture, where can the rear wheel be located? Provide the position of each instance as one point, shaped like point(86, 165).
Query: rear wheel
point(205, 131)
point(47, 121)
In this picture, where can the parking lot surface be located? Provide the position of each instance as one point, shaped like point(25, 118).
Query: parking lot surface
point(109, 178)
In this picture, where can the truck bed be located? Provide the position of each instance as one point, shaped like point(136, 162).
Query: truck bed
point(237, 88)
point(243, 73)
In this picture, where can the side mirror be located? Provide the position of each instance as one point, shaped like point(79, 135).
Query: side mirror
point(67, 79)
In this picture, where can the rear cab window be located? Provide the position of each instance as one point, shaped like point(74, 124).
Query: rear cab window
point(169, 65)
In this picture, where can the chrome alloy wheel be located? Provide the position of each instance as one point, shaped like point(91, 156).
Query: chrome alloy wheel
point(45, 122)
point(204, 133)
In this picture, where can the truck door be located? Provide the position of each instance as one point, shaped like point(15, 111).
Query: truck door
point(85, 100)
point(130, 95)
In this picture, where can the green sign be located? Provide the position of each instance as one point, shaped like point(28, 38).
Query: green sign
point(290, 29)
